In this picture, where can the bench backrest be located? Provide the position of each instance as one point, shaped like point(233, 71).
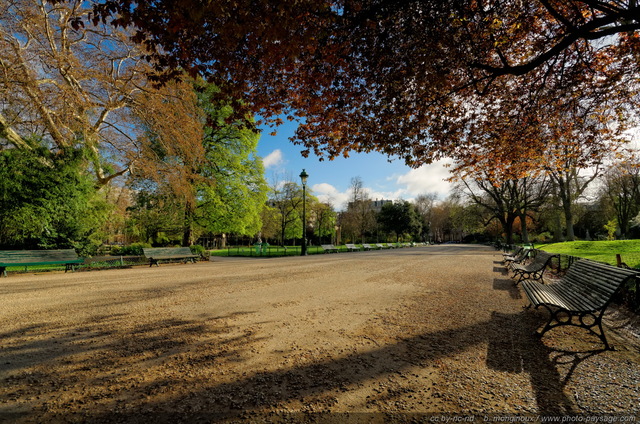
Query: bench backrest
point(516, 251)
point(543, 257)
point(596, 282)
point(37, 256)
point(522, 255)
point(160, 252)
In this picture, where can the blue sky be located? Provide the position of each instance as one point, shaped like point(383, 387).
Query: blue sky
point(330, 180)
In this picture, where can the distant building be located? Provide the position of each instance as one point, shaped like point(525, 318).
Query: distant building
point(376, 205)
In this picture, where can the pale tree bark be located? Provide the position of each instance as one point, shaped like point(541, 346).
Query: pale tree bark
point(10, 135)
point(73, 87)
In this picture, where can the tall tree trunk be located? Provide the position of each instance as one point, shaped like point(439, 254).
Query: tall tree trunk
point(507, 227)
point(523, 225)
point(187, 228)
point(557, 231)
point(568, 217)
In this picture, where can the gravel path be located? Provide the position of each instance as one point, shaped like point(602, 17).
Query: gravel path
point(361, 337)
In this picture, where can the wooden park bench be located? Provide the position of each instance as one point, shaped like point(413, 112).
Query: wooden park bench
point(352, 247)
point(155, 254)
point(510, 255)
point(366, 246)
point(581, 297)
point(330, 248)
point(534, 269)
point(520, 257)
point(26, 258)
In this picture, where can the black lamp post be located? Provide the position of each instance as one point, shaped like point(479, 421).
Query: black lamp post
point(303, 178)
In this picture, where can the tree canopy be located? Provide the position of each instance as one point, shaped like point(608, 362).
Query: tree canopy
point(400, 217)
point(47, 201)
point(407, 78)
point(84, 94)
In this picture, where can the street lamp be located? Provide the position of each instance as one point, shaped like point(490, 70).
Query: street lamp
point(303, 178)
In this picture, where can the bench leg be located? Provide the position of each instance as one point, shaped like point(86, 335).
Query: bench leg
point(153, 262)
point(587, 320)
point(3, 270)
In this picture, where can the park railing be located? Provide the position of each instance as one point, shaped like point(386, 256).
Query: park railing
point(266, 250)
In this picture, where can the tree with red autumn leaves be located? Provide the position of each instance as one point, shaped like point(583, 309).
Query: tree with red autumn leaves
point(406, 78)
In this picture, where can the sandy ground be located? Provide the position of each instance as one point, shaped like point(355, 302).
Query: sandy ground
point(363, 337)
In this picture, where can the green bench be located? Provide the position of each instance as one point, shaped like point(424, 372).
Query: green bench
point(26, 258)
point(155, 254)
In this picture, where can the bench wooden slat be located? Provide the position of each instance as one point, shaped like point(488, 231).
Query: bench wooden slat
point(67, 257)
point(522, 255)
point(39, 257)
point(535, 269)
point(586, 289)
point(329, 248)
point(155, 254)
point(574, 288)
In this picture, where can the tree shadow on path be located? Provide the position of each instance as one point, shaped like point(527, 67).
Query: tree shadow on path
point(179, 350)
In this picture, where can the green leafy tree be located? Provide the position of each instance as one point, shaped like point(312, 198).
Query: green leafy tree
point(47, 200)
point(155, 215)
point(205, 171)
point(611, 227)
point(286, 199)
point(233, 203)
point(323, 219)
point(400, 218)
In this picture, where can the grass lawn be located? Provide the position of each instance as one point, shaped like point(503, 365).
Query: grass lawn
point(270, 251)
point(275, 250)
point(603, 251)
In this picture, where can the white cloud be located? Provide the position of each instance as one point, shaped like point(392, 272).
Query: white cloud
point(339, 199)
point(427, 179)
point(328, 193)
point(273, 159)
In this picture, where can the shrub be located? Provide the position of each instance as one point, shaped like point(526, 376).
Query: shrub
point(543, 237)
point(134, 249)
point(197, 249)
